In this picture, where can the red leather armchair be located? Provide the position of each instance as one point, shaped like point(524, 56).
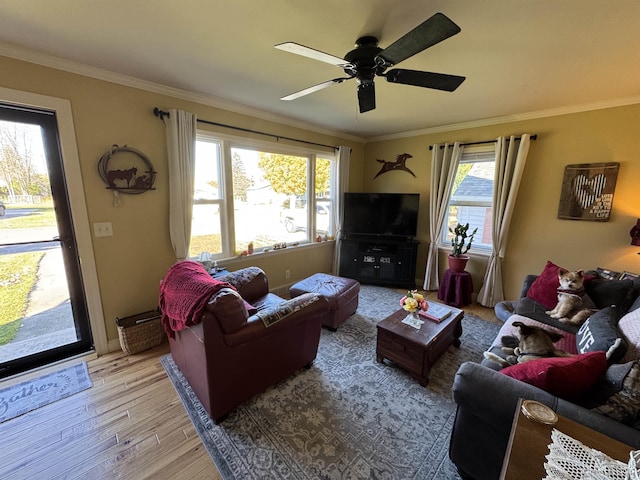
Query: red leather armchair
point(230, 356)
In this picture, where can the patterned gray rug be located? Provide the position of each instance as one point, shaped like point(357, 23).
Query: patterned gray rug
point(348, 417)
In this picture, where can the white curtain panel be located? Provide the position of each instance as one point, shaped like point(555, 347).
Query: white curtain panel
point(511, 158)
point(342, 183)
point(444, 163)
point(181, 128)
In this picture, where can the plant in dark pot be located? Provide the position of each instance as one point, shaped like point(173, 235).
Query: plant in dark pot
point(460, 245)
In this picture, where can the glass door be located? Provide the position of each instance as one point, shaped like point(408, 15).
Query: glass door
point(43, 310)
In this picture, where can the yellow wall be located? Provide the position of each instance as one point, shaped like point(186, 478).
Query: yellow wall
point(131, 263)
point(537, 235)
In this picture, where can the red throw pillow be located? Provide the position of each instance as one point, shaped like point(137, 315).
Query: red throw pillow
point(564, 377)
point(544, 289)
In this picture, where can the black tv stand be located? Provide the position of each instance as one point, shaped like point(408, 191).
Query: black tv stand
point(379, 260)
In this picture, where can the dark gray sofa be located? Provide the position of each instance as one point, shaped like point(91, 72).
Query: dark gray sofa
point(486, 399)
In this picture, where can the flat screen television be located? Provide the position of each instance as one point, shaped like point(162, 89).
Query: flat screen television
point(389, 214)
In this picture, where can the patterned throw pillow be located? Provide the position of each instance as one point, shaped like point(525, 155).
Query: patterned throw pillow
point(599, 332)
point(241, 277)
point(275, 313)
point(629, 325)
point(624, 406)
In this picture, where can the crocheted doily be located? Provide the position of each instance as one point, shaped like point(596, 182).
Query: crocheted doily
point(569, 459)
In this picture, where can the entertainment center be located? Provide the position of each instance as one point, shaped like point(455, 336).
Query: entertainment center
point(378, 244)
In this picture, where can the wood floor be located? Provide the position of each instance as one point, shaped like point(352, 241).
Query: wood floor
point(131, 424)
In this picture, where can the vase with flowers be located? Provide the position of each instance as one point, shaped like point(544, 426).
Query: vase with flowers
point(414, 301)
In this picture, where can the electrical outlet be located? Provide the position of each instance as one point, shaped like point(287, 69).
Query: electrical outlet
point(103, 229)
point(287, 273)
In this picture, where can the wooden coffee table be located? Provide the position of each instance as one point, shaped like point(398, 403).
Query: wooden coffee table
point(417, 350)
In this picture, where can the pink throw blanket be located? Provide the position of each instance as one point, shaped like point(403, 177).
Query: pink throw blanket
point(184, 294)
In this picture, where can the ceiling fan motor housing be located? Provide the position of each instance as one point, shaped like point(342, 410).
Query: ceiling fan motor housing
point(362, 60)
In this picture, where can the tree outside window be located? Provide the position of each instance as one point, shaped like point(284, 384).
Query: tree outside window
point(268, 202)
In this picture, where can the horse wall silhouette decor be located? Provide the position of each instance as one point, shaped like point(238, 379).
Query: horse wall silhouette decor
point(399, 164)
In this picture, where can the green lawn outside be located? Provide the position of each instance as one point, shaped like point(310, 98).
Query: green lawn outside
point(17, 278)
point(44, 216)
point(205, 243)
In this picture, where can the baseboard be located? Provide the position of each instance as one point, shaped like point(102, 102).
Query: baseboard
point(114, 345)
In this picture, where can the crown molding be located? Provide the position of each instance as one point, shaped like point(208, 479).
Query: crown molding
point(59, 63)
point(552, 112)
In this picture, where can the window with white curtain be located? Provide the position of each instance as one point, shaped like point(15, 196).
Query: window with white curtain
point(260, 194)
point(471, 197)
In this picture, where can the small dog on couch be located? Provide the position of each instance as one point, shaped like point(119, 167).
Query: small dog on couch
point(534, 343)
point(570, 309)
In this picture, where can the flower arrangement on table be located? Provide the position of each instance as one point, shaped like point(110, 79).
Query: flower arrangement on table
point(414, 301)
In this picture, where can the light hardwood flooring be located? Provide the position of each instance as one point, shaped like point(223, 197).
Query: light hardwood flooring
point(131, 424)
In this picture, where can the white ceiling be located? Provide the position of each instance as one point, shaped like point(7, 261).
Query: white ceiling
point(520, 57)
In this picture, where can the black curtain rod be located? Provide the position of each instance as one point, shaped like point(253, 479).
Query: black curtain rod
point(161, 113)
point(532, 137)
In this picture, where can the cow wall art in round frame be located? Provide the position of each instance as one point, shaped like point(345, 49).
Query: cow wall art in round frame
point(126, 170)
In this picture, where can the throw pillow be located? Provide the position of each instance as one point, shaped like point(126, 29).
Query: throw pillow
point(624, 406)
point(544, 288)
point(629, 326)
point(610, 292)
point(636, 303)
point(273, 314)
point(600, 333)
point(564, 377)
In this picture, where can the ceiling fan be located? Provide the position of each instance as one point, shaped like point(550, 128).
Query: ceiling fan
point(367, 61)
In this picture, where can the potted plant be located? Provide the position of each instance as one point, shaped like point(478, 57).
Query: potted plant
point(460, 245)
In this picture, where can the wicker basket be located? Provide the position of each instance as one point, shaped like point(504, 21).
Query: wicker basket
point(140, 332)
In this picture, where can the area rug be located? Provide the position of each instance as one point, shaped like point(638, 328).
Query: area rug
point(23, 397)
point(348, 417)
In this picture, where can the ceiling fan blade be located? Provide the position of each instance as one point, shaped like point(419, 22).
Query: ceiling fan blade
point(433, 30)
point(439, 81)
point(315, 88)
point(366, 96)
point(298, 49)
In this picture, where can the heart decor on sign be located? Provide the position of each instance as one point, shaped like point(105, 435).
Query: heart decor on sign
point(587, 191)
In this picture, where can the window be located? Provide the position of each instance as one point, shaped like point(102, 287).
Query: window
point(209, 204)
point(471, 199)
point(245, 193)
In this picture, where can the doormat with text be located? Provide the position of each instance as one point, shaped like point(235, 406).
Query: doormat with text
point(24, 397)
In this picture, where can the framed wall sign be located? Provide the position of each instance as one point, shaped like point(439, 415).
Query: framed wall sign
point(587, 191)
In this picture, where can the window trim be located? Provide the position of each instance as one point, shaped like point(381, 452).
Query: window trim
point(471, 154)
point(227, 208)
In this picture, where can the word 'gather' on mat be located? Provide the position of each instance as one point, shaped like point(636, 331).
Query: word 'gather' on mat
point(24, 397)
point(348, 416)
